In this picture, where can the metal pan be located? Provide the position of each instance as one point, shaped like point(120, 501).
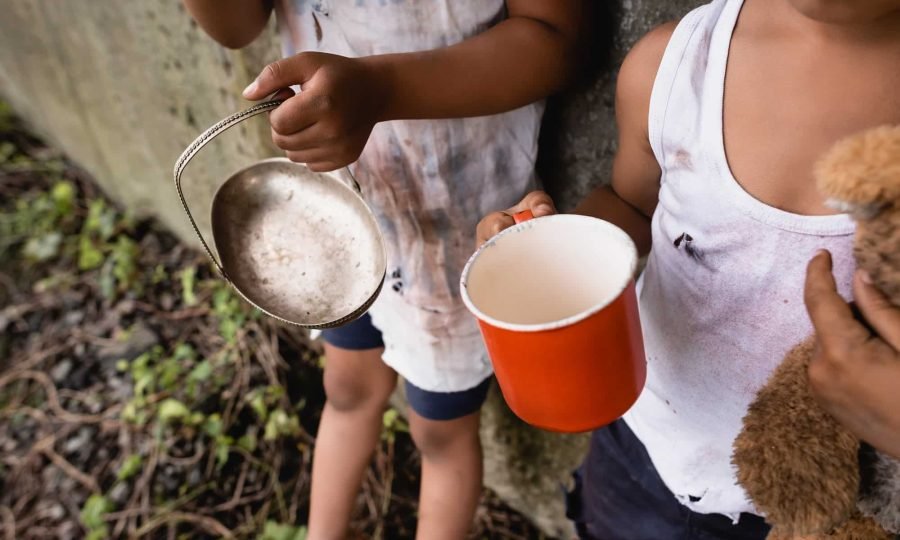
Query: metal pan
point(301, 246)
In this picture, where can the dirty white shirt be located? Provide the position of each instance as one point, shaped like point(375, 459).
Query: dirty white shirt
point(428, 182)
point(721, 298)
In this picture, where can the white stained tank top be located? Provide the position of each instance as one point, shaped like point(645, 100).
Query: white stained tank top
point(721, 298)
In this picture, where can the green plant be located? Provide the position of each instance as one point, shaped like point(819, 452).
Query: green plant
point(393, 423)
point(92, 516)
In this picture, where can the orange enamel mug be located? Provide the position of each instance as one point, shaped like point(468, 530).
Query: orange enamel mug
point(555, 301)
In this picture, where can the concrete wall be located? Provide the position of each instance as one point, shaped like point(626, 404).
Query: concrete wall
point(123, 87)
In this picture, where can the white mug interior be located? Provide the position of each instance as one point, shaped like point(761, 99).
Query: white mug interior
point(548, 272)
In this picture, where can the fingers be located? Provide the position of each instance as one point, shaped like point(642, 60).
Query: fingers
point(295, 69)
point(836, 329)
point(538, 202)
point(297, 113)
point(877, 309)
point(492, 224)
point(283, 94)
point(313, 136)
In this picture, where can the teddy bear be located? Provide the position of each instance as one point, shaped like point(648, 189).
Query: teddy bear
point(809, 476)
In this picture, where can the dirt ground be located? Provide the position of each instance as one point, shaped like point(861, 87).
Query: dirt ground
point(140, 397)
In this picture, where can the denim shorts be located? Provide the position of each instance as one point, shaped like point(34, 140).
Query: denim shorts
point(361, 334)
point(618, 495)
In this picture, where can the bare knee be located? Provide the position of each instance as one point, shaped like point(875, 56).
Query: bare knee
point(437, 439)
point(352, 385)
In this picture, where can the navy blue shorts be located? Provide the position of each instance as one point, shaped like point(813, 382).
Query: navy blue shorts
point(619, 495)
point(361, 335)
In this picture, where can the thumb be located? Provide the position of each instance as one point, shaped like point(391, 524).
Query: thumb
point(295, 69)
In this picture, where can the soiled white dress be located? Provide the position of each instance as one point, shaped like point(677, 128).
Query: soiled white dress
point(428, 182)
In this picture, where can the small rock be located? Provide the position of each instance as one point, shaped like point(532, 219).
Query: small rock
point(67, 485)
point(61, 371)
point(166, 301)
point(119, 493)
point(120, 389)
point(56, 512)
point(68, 530)
point(137, 340)
point(76, 443)
point(73, 318)
point(194, 477)
point(51, 477)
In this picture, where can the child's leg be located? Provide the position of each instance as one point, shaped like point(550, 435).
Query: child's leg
point(444, 427)
point(357, 386)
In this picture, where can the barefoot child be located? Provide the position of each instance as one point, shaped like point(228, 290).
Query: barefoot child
point(721, 117)
point(367, 68)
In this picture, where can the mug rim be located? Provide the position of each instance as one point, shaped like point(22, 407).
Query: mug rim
point(631, 253)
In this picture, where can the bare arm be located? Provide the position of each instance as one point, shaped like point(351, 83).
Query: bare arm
point(526, 57)
point(233, 23)
point(631, 198)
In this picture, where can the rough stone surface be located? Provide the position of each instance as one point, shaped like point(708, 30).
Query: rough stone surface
point(124, 87)
point(579, 132)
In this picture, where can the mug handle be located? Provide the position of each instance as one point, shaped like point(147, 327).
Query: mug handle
point(524, 215)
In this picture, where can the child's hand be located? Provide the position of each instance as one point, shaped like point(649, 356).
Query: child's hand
point(538, 202)
point(854, 374)
point(328, 123)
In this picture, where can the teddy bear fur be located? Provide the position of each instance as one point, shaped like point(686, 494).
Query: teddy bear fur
point(809, 476)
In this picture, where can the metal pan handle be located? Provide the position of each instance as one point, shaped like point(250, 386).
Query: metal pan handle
point(211, 134)
point(197, 145)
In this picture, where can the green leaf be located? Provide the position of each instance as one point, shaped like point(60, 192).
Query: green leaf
point(229, 329)
point(89, 256)
point(277, 531)
point(94, 509)
point(143, 382)
point(63, 195)
point(258, 404)
point(171, 409)
point(184, 351)
point(188, 280)
point(392, 423)
point(101, 221)
point(201, 372)
point(281, 424)
point(213, 425)
point(44, 247)
point(122, 366)
point(101, 533)
point(248, 441)
point(124, 256)
point(107, 279)
point(7, 149)
point(130, 467)
point(159, 274)
point(222, 451)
